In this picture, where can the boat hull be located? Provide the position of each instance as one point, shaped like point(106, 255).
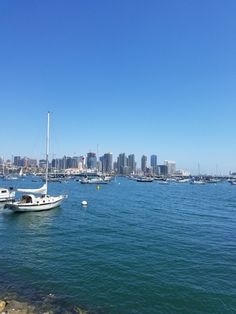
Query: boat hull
point(144, 180)
point(36, 207)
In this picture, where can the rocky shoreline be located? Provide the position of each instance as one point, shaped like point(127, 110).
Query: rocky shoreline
point(11, 306)
point(16, 307)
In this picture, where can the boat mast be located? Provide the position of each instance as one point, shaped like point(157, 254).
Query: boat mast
point(47, 152)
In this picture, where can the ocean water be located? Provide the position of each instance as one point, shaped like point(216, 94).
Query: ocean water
point(136, 248)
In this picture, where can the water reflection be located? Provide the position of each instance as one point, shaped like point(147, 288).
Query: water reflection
point(31, 220)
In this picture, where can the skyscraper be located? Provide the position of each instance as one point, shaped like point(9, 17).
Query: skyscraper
point(131, 163)
point(144, 163)
point(107, 162)
point(122, 163)
point(91, 161)
point(153, 160)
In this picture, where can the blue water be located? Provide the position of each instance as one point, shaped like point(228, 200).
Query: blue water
point(136, 248)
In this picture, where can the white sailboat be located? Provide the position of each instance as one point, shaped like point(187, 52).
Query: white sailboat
point(37, 199)
point(21, 174)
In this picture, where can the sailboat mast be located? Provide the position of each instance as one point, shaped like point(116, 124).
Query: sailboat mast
point(47, 152)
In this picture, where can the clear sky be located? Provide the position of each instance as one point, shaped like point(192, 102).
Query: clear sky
point(134, 76)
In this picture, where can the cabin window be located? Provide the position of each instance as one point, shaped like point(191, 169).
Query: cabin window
point(4, 191)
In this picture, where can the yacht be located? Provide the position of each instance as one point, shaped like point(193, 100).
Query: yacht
point(94, 181)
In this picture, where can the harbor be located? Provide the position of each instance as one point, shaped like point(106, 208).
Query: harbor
point(117, 157)
point(136, 248)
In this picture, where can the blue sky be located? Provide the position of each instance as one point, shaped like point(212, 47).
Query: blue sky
point(142, 77)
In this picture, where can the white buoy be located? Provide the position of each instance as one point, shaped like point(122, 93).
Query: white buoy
point(84, 203)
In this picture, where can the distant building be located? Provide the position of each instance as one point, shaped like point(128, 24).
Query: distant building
point(182, 173)
point(162, 170)
point(171, 165)
point(122, 163)
point(143, 163)
point(153, 162)
point(70, 163)
point(17, 161)
point(42, 163)
point(131, 163)
point(126, 170)
point(91, 161)
point(107, 163)
point(32, 163)
point(115, 166)
point(58, 164)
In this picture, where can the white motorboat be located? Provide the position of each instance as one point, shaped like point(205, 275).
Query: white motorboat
point(183, 180)
point(93, 181)
point(41, 201)
point(7, 195)
point(199, 182)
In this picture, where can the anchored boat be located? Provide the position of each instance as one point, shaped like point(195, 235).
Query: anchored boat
point(37, 199)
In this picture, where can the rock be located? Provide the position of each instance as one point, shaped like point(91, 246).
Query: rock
point(80, 311)
point(16, 307)
point(2, 305)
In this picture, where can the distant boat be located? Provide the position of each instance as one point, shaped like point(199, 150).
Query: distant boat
point(93, 181)
point(163, 182)
point(213, 180)
point(183, 181)
point(198, 182)
point(144, 179)
point(21, 174)
point(41, 201)
point(7, 195)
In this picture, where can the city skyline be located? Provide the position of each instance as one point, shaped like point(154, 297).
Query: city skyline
point(109, 162)
point(127, 76)
point(214, 169)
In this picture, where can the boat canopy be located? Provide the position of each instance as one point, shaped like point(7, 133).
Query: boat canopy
point(42, 190)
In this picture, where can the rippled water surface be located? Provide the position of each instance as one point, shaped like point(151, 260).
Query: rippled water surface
point(136, 248)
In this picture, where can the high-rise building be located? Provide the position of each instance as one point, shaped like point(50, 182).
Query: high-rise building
point(91, 161)
point(107, 163)
point(153, 160)
point(122, 163)
point(131, 163)
point(143, 163)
